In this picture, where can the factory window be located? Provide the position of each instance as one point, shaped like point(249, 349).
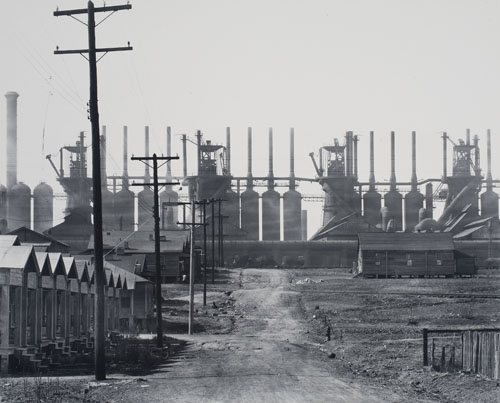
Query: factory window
point(409, 262)
point(377, 259)
point(439, 262)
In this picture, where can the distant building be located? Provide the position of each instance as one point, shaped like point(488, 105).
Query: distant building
point(124, 249)
point(411, 254)
point(41, 242)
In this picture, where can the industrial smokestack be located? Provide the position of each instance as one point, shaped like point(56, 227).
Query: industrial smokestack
point(445, 155)
point(147, 177)
point(184, 156)
point(270, 175)
point(169, 154)
point(414, 161)
point(372, 162)
point(489, 179)
point(355, 156)
point(11, 138)
point(477, 168)
point(348, 153)
point(393, 162)
point(292, 159)
point(198, 151)
point(104, 175)
point(228, 150)
point(467, 137)
point(125, 157)
point(249, 173)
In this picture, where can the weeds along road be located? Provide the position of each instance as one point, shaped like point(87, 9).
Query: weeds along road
point(266, 358)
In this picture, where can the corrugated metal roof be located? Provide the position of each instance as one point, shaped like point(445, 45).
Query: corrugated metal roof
point(9, 240)
point(43, 263)
point(401, 241)
point(70, 267)
point(17, 257)
point(56, 263)
point(82, 270)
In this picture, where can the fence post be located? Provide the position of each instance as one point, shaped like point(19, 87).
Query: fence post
point(425, 347)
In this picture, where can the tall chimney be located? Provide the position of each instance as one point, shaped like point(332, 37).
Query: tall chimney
point(355, 156)
point(347, 154)
point(104, 175)
point(147, 177)
point(445, 155)
point(11, 138)
point(169, 154)
point(249, 173)
point(467, 137)
point(270, 183)
point(184, 156)
point(125, 158)
point(372, 162)
point(198, 151)
point(489, 179)
point(477, 168)
point(414, 161)
point(393, 162)
point(228, 150)
point(292, 159)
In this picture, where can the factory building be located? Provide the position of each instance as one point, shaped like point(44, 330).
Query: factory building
point(50, 301)
point(411, 255)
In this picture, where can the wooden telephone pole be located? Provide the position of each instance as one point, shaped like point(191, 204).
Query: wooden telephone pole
point(100, 363)
point(156, 216)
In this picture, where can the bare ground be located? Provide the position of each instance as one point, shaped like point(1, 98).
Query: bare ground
point(262, 338)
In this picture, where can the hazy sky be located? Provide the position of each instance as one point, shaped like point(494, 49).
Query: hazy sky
point(322, 67)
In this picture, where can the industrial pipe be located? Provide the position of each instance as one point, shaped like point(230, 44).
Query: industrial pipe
point(477, 168)
point(11, 138)
point(249, 173)
point(125, 158)
point(184, 156)
point(393, 162)
point(292, 159)
point(147, 177)
point(270, 175)
point(372, 162)
point(414, 161)
point(445, 155)
point(228, 150)
point(355, 156)
point(198, 150)
point(489, 178)
point(169, 154)
point(348, 153)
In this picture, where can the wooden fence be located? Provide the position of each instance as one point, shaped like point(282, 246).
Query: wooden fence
point(470, 350)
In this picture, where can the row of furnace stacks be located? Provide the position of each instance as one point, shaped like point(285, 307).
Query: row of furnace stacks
point(337, 172)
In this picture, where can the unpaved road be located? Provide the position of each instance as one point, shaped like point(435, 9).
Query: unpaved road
point(268, 357)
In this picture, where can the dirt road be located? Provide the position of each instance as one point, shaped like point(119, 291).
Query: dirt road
point(268, 357)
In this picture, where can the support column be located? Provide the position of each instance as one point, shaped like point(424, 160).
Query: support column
point(106, 309)
point(23, 325)
point(33, 316)
point(4, 325)
point(78, 312)
point(39, 310)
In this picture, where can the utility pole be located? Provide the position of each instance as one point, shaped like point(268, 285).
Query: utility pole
point(192, 225)
point(212, 201)
point(100, 360)
point(204, 253)
point(156, 216)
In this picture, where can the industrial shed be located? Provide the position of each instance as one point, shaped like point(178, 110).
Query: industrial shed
point(174, 251)
point(411, 254)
